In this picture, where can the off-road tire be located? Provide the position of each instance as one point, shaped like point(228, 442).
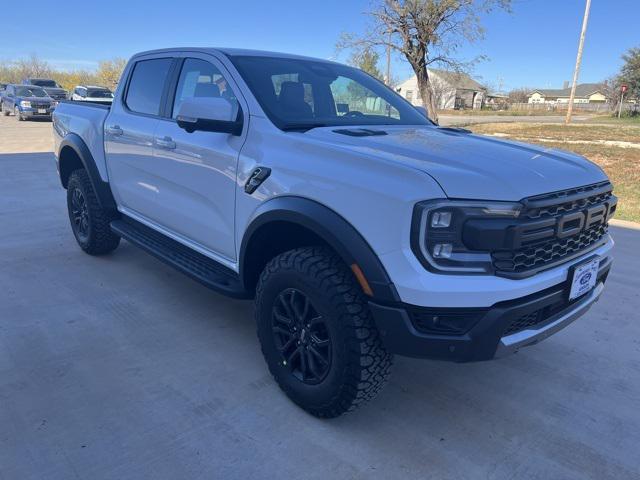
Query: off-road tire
point(359, 366)
point(99, 238)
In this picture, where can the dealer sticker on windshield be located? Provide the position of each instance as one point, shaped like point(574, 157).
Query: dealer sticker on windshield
point(584, 278)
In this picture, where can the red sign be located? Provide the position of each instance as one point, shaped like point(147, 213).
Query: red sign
point(623, 88)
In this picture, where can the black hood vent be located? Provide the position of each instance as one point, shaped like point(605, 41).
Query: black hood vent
point(360, 132)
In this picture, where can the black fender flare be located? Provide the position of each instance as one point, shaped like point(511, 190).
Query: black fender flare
point(102, 188)
point(337, 232)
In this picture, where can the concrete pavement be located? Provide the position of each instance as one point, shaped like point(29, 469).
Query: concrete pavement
point(120, 367)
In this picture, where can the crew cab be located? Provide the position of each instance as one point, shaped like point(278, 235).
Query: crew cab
point(360, 228)
point(27, 102)
point(92, 93)
point(52, 88)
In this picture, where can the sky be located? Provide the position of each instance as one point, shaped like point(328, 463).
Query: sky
point(534, 46)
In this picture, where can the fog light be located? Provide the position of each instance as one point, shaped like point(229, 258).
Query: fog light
point(442, 250)
point(441, 219)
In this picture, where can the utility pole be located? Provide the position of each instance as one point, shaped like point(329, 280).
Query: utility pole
point(578, 60)
point(623, 89)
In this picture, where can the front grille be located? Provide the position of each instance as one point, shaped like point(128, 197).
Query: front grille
point(567, 207)
point(40, 105)
point(548, 252)
point(536, 255)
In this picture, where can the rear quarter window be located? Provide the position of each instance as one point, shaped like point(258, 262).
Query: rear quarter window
point(146, 85)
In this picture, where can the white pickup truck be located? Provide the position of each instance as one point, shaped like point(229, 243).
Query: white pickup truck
point(361, 229)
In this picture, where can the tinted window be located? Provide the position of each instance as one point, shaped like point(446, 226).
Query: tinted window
point(30, 92)
point(298, 94)
point(44, 83)
point(199, 78)
point(146, 85)
point(99, 93)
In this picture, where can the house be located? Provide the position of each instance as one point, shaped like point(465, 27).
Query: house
point(585, 93)
point(451, 90)
point(497, 99)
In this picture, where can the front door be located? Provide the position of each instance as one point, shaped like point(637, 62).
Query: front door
point(197, 171)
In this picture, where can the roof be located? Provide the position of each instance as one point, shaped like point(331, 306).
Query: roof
point(234, 52)
point(459, 80)
point(582, 90)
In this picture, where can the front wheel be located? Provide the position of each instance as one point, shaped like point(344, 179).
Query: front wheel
point(317, 334)
point(17, 114)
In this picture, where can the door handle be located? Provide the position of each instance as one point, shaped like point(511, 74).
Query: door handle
point(166, 142)
point(114, 130)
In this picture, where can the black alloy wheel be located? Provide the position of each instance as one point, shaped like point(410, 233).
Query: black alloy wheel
point(80, 214)
point(301, 336)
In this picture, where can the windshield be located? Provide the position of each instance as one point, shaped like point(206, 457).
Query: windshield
point(44, 83)
point(301, 94)
point(99, 93)
point(30, 92)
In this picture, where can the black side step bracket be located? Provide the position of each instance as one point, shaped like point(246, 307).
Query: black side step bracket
point(199, 267)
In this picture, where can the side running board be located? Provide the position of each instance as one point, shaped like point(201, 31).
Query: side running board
point(199, 267)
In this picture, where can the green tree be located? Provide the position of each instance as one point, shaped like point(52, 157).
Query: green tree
point(366, 59)
point(630, 72)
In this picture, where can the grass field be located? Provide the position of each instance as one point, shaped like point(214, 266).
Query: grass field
point(615, 147)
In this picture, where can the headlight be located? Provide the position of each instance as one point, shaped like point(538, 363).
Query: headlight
point(25, 104)
point(437, 233)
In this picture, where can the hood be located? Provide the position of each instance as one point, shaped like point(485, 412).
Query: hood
point(36, 99)
point(471, 166)
point(54, 90)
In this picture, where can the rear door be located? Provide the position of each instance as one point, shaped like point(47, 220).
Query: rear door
point(196, 172)
point(129, 132)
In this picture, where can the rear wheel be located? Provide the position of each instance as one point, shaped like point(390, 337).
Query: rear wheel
point(5, 112)
point(89, 221)
point(317, 334)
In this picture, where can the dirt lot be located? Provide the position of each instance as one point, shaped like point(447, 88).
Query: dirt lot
point(614, 146)
point(119, 367)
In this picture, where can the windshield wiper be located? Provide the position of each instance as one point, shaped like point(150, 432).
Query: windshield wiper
point(290, 127)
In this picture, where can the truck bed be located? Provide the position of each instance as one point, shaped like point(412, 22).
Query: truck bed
point(86, 120)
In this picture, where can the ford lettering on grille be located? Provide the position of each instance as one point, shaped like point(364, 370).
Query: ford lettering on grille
point(563, 226)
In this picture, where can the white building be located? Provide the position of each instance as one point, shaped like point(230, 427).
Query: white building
point(451, 89)
point(585, 93)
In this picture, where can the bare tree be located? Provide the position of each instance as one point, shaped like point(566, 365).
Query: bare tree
point(519, 95)
point(32, 67)
point(441, 91)
point(426, 32)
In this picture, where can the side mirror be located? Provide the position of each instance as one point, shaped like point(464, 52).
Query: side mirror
point(209, 114)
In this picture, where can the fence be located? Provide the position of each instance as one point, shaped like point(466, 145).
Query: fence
point(562, 107)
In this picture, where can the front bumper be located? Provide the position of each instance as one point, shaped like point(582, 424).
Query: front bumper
point(492, 335)
point(34, 113)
